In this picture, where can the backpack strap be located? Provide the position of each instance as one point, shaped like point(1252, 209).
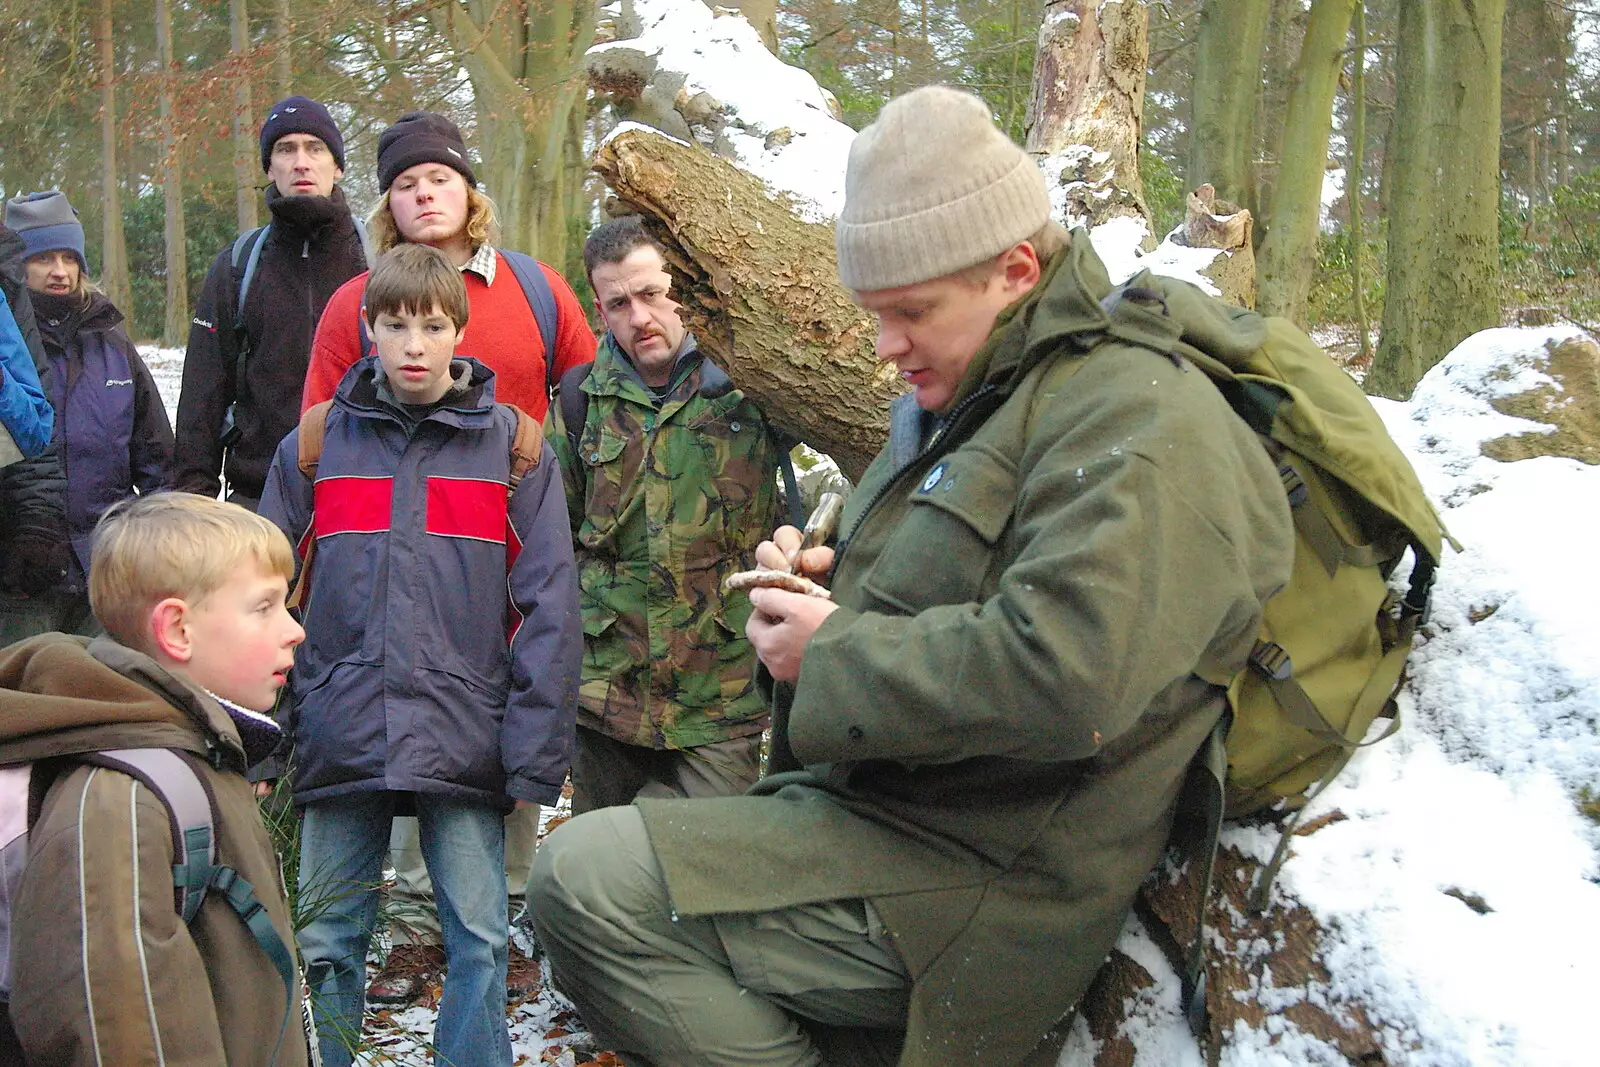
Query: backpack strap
point(247, 250)
point(308, 447)
point(192, 813)
point(527, 445)
point(1205, 795)
point(574, 402)
point(794, 501)
point(366, 240)
point(308, 437)
point(542, 301)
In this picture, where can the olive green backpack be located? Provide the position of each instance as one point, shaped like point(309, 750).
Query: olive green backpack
point(1333, 643)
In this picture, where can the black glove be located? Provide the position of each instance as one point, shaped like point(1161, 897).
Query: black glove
point(36, 559)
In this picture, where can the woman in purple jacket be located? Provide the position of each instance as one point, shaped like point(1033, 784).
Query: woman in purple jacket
point(111, 429)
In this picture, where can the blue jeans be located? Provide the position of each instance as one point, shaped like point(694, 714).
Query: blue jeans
point(342, 845)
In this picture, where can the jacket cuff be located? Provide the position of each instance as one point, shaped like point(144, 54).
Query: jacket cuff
point(533, 791)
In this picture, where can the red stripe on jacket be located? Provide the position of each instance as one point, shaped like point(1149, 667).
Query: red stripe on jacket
point(352, 505)
point(467, 507)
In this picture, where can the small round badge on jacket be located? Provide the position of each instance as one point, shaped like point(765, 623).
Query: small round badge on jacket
point(934, 477)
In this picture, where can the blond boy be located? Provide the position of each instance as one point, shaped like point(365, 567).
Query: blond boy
point(198, 642)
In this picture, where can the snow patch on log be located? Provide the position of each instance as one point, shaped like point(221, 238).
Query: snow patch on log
point(704, 76)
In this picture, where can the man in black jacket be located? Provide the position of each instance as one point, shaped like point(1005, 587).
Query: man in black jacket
point(251, 362)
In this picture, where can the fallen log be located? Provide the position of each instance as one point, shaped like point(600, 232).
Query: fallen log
point(760, 289)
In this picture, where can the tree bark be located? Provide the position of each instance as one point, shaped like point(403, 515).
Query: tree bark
point(1227, 83)
point(1444, 269)
point(175, 327)
point(283, 61)
point(1353, 182)
point(246, 158)
point(525, 64)
point(114, 249)
point(1289, 253)
point(760, 290)
point(1085, 113)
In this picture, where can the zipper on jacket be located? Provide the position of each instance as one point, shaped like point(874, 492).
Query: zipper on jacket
point(938, 439)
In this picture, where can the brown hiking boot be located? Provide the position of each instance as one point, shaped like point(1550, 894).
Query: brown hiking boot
point(405, 974)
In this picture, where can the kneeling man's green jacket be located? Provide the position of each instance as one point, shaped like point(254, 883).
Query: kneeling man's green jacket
point(988, 739)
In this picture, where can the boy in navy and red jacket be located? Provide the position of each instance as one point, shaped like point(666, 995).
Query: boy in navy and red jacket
point(440, 667)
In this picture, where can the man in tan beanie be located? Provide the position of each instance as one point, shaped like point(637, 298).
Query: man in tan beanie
point(979, 742)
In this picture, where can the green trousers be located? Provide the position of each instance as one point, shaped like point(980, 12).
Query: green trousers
point(607, 772)
point(798, 987)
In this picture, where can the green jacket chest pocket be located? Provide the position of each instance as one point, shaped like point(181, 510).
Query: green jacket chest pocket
point(724, 487)
point(943, 548)
point(607, 473)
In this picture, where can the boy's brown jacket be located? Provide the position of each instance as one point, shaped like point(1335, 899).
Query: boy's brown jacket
point(103, 968)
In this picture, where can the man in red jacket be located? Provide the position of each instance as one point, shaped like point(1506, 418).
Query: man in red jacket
point(431, 197)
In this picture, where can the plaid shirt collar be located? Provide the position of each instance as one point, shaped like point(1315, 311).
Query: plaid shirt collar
point(482, 263)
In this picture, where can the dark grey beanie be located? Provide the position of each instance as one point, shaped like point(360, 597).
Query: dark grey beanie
point(47, 223)
point(300, 114)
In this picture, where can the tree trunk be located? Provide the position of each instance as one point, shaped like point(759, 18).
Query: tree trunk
point(114, 250)
point(1227, 83)
point(1289, 253)
point(525, 64)
point(1353, 182)
point(1280, 50)
point(283, 61)
point(246, 157)
point(1444, 269)
point(176, 322)
point(760, 290)
point(1085, 113)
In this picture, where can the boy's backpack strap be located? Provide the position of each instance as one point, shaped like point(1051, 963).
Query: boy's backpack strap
point(192, 814)
point(308, 438)
point(308, 447)
point(542, 301)
point(527, 445)
point(574, 402)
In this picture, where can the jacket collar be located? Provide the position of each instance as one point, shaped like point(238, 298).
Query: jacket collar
point(61, 694)
point(308, 218)
point(692, 375)
point(469, 404)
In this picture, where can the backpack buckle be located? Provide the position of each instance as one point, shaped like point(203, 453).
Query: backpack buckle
point(1271, 660)
point(1294, 486)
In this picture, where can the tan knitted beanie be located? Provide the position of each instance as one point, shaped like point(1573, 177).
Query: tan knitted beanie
point(933, 187)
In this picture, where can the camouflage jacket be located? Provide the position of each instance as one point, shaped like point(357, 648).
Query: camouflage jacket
point(666, 498)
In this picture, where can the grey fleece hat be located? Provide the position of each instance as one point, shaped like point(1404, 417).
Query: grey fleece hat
point(47, 223)
point(933, 187)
